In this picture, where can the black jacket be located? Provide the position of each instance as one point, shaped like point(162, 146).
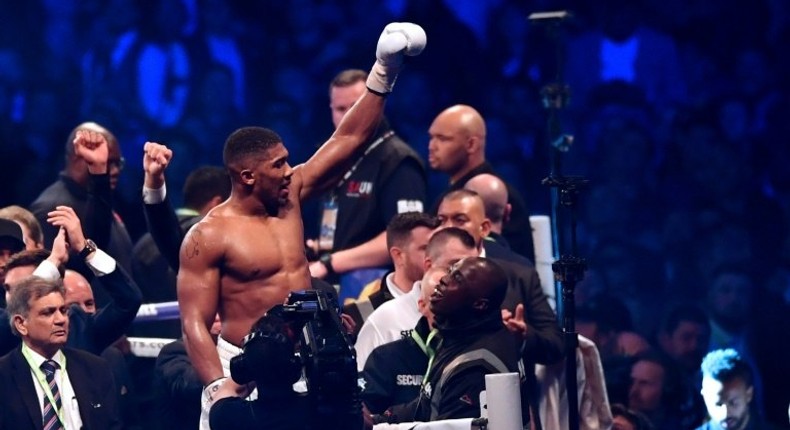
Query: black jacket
point(394, 371)
point(94, 207)
point(177, 389)
point(93, 333)
point(466, 354)
point(89, 375)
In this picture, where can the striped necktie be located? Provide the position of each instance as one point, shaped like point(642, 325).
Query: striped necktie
point(51, 420)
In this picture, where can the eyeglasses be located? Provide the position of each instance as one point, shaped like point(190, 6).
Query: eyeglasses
point(120, 163)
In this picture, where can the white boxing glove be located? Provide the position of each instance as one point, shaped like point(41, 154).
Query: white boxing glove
point(397, 39)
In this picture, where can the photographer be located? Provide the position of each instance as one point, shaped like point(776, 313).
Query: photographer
point(268, 361)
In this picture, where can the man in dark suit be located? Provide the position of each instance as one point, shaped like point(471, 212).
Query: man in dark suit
point(93, 167)
point(53, 387)
point(91, 329)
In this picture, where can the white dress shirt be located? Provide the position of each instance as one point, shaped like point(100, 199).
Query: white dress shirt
point(387, 322)
point(68, 398)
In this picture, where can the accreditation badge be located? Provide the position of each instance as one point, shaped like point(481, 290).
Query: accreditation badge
point(326, 238)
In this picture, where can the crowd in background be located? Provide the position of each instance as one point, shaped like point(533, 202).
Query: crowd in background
point(683, 146)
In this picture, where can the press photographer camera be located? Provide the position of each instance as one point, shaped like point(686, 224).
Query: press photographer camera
point(304, 337)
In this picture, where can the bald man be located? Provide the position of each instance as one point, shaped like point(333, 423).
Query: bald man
point(457, 148)
point(475, 343)
point(394, 371)
point(93, 168)
point(493, 191)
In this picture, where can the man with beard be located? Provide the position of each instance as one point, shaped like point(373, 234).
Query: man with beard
point(684, 336)
point(728, 390)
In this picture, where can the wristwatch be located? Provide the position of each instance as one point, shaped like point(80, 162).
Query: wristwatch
point(326, 260)
point(90, 247)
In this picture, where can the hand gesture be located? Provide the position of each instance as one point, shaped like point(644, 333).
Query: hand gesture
point(60, 251)
point(65, 218)
point(155, 160)
point(92, 147)
point(515, 323)
point(348, 323)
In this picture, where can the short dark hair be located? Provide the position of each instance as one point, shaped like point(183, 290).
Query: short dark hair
point(203, 184)
point(670, 393)
point(31, 288)
point(348, 77)
point(24, 216)
point(440, 238)
point(31, 257)
point(401, 225)
point(725, 365)
point(684, 312)
point(637, 419)
point(246, 142)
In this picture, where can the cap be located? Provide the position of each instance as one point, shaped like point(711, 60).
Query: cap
point(12, 232)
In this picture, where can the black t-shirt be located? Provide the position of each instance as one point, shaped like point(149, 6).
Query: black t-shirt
point(394, 371)
point(389, 180)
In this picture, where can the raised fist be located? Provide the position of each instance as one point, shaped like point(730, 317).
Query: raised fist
point(155, 160)
point(397, 39)
point(92, 147)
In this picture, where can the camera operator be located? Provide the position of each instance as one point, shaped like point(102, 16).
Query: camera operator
point(269, 362)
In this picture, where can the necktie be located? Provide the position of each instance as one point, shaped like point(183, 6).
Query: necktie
point(51, 420)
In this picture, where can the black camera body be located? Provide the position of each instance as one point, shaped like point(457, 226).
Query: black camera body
point(326, 356)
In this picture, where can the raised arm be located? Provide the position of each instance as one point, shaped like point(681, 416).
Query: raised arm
point(112, 319)
point(361, 121)
point(160, 217)
point(92, 147)
point(198, 289)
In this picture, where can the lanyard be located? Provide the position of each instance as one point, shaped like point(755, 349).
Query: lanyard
point(372, 146)
point(42, 381)
point(425, 346)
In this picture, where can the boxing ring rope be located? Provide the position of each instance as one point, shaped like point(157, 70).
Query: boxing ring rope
point(149, 347)
point(157, 312)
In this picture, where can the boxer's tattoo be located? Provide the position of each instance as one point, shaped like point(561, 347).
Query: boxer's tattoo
point(192, 249)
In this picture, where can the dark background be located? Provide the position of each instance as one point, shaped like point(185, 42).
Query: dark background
point(679, 108)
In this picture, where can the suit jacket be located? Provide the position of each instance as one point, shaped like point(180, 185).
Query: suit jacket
point(89, 375)
point(94, 208)
point(156, 262)
point(177, 390)
point(93, 333)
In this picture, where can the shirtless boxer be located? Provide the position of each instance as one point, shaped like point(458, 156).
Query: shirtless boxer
point(247, 254)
